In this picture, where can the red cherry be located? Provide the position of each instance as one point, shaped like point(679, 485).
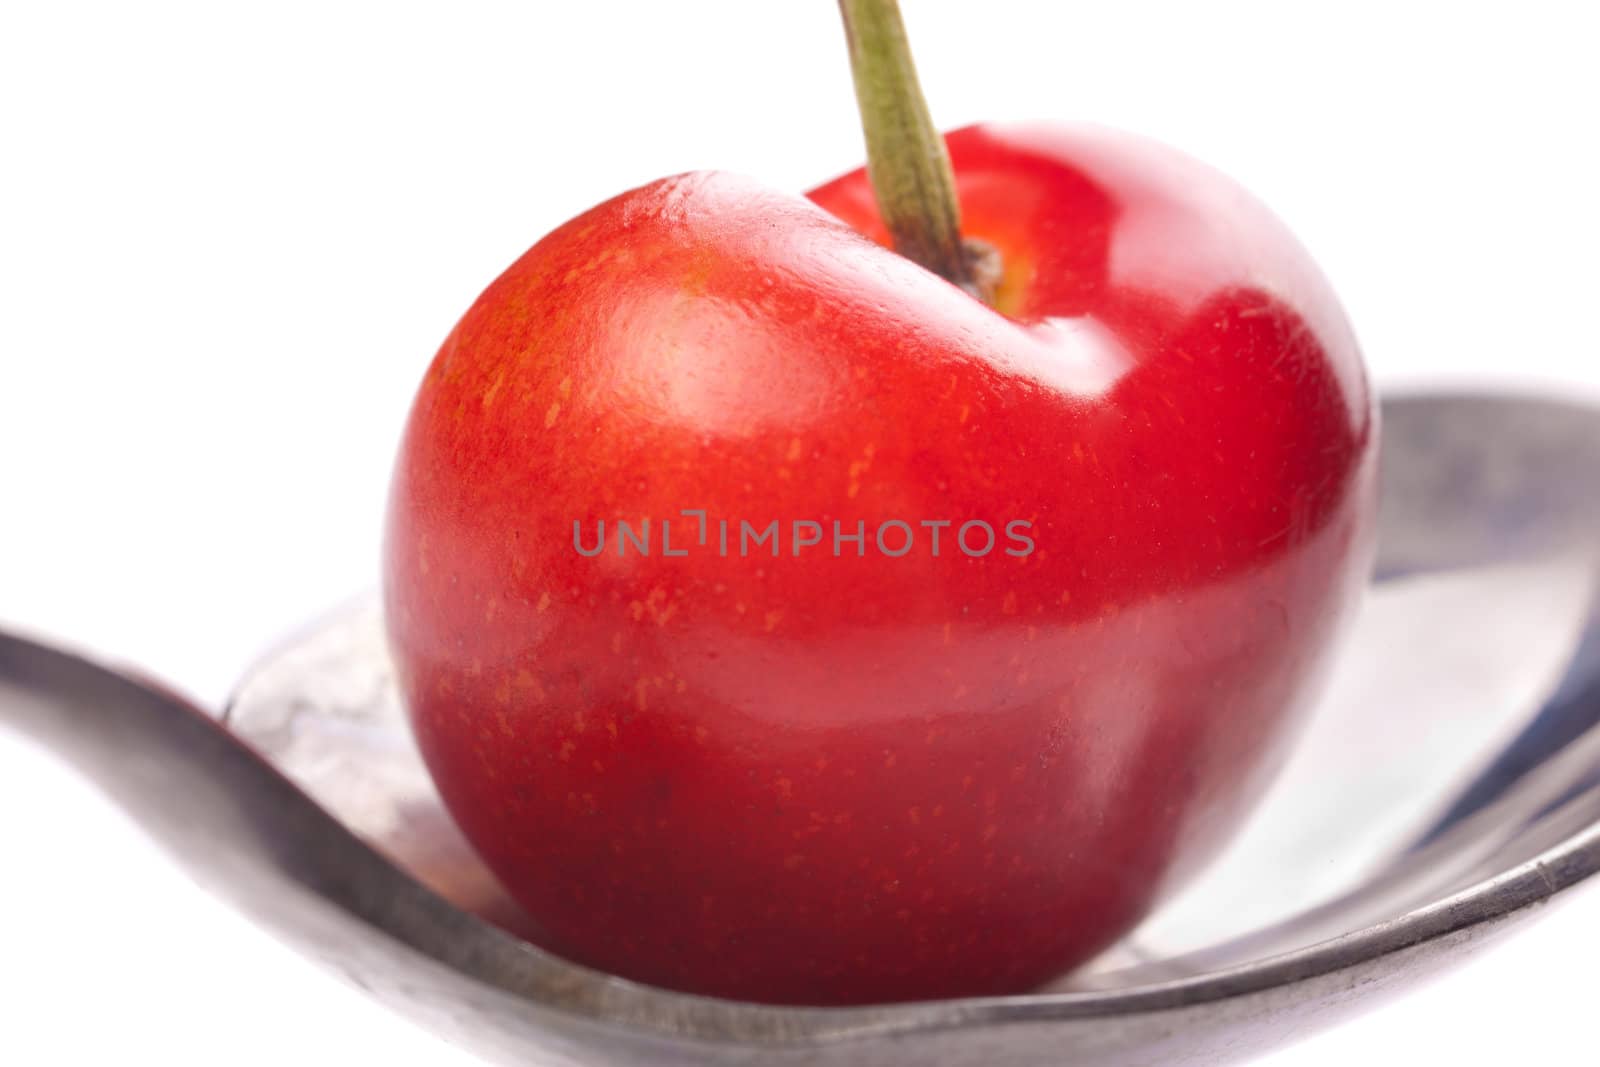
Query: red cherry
point(866, 777)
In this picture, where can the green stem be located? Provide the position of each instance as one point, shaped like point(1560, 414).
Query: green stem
point(906, 158)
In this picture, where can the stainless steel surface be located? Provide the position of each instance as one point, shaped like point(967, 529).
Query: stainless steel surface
point(1448, 788)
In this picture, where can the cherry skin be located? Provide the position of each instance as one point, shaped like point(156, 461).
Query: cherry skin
point(830, 779)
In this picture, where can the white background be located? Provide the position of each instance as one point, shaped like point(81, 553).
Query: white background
point(231, 236)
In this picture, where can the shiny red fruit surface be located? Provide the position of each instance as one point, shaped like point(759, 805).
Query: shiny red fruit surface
point(812, 777)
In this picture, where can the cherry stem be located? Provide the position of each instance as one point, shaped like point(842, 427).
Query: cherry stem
point(907, 161)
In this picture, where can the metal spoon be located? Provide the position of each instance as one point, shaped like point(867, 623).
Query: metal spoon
point(1448, 789)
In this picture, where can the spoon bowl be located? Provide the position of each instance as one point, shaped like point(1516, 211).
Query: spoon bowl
point(1447, 789)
